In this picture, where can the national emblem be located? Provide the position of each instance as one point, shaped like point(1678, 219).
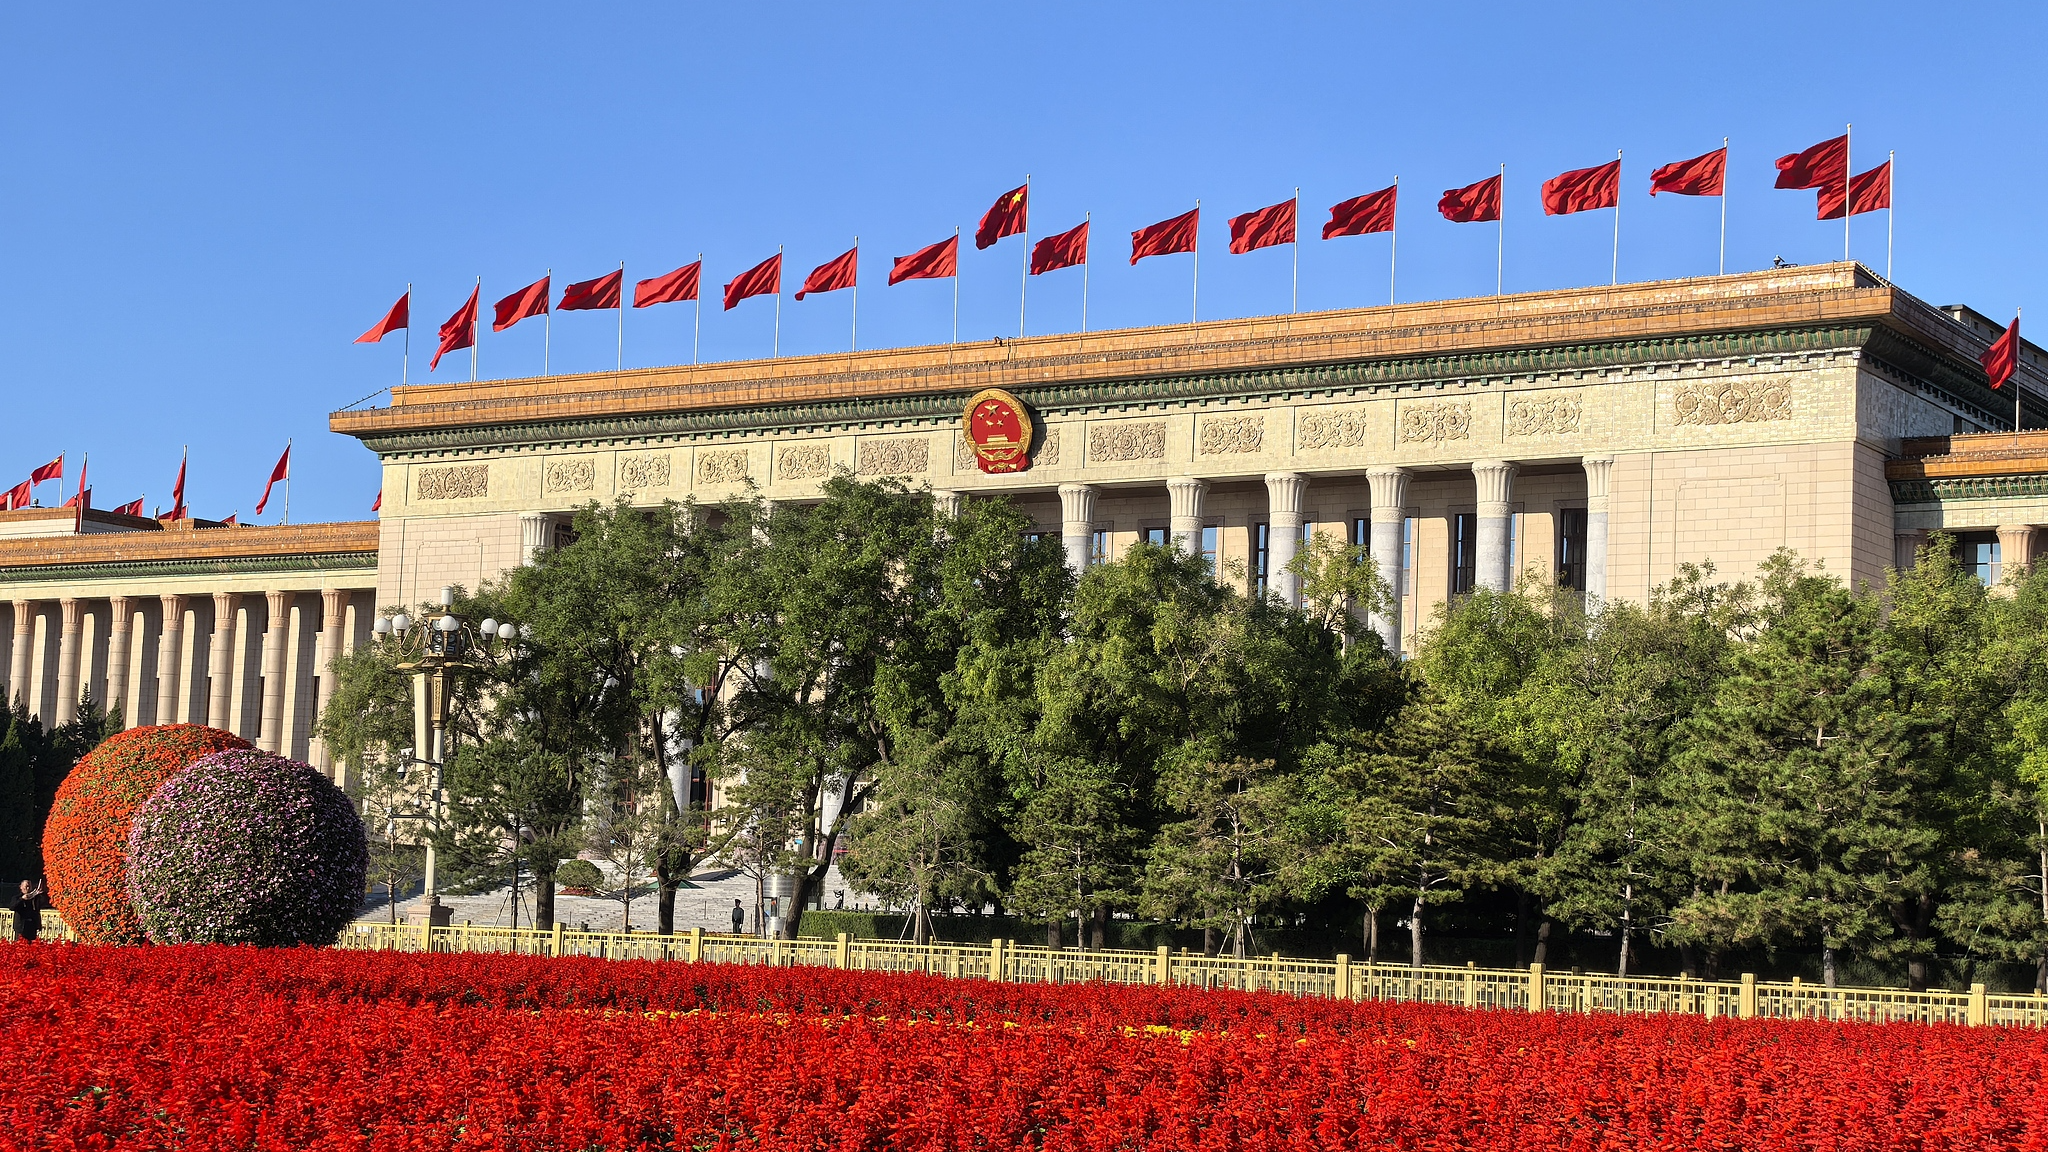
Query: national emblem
point(999, 428)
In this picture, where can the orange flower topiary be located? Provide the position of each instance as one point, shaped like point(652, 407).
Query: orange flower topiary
point(85, 843)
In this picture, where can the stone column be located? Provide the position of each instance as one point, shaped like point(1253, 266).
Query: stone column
point(1284, 491)
point(1389, 512)
point(170, 645)
point(534, 530)
point(278, 607)
point(220, 660)
point(1906, 547)
point(1496, 481)
point(1077, 523)
point(67, 659)
point(2015, 550)
point(24, 643)
point(946, 505)
point(333, 605)
point(120, 630)
point(1597, 469)
point(1185, 494)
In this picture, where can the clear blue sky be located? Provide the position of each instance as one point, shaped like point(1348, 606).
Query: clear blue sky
point(204, 205)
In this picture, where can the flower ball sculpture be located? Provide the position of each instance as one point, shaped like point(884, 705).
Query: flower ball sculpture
point(247, 847)
point(85, 843)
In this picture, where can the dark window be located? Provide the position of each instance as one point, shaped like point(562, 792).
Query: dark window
point(1098, 546)
point(1571, 548)
point(1361, 532)
point(1261, 549)
point(1035, 537)
point(1980, 554)
point(1157, 536)
point(1464, 552)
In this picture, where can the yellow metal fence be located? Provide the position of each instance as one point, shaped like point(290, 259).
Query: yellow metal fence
point(1534, 990)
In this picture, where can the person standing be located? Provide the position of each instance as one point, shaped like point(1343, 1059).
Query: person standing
point(739, 917)
point(28, 911)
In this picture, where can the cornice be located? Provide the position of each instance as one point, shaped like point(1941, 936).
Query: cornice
point(209, 566)
point(1064, 398)
point(1926, 491)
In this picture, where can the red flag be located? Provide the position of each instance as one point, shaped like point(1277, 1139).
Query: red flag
point(1474, 203)
point(399, 317)
point(1699, 176)
point(178, 489)
point(763, 279)
point(131, 508)
point(374, 504)
point(1583, 189)
point(531, 300)
point(931, 262)
point(233, 520)
point(2000, 360)
point(1004, 218)
point(1066, 250)
point(1825, 163)
point(1262, 228)
point(54, 470)
point(673, 288)
point(82, 500)
point(1868, 192)
point(594, 295)
point(1363, 215)
point(834, 274)
point(283, 469)
point(458, 331)
point(74, 501)
point(19, 496)
point(1166, 237)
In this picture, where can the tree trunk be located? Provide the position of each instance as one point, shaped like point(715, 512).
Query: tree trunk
point(1210, 945)
point(544, 900)
point(1542, 954)
point(2041, 975)
point(1372, 935)
point(1621, 965)
point(1237, 934)
point(665, 907)
point(1415, 933)
point(1827, 966)
point(1052, 931)
point(1098, 936)
point(921, 926)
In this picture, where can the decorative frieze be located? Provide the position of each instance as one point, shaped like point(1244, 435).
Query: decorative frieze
point(723, 466)
point(1545, 414)
point(1748, 401)
point(650, 471)
point(897, 456)
point(1230, 435)
point(804, 462)
point(1343, 428)
point(575, 475)
point(1435, 421)
point(1127, 440)
point(461, 482)
point(1048, 454)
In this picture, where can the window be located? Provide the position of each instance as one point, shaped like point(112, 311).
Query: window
point(1514, 547)
point(1098, 546)
point(1981, 555)
point(1035, 537)
point(1464, 552)
point(1403, 583)
point(1261, 552)
point(1157, 536)
point(1361, 532)
point(1210, 538)
point(1571, 548)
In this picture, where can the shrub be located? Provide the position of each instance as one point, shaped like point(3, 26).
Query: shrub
point(247, 847)
point(85, 843)
point(579, 874)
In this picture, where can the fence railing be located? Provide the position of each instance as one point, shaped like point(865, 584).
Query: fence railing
point(1534, 990)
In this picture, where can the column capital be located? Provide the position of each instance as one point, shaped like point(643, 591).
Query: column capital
point(1496, 480)
point(533, 535)
point(225, 603)
point(1186, 493)
point(1284, 492)
point(1597, 469)
point(2016, 547)
point(1077, 503)
point(74, 614)
point(24, 616)
point(274, 599)
point(1389, 493)
point(946, 504)
point(172, 602)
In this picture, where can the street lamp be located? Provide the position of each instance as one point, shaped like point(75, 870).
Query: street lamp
point(430, 651)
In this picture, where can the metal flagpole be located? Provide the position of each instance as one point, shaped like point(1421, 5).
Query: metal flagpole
point(287, 480)
point(697, 332)
point(1086, 217)
point(1394, 242)
point(1500, 223)
point(547, 329)
point(1195, 302)
point(622, 316)
point(1024, 281)
point(2016, 377)
point(1614, 276)
point(956, 286)
point(1294, 305)
point(853, 345)
point(775, 349)
point(1891, 173)
point(1848, 170)
point(1724, 206)
point(405, 363)
point(474, 330)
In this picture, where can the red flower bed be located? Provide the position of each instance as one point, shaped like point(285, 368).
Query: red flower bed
point(205, 1048)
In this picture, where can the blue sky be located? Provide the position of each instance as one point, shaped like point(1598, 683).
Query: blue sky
point(204, 205)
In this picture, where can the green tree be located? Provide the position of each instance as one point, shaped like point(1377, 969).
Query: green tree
point(921, 839)
point(1081, 847)
point(1222, 862)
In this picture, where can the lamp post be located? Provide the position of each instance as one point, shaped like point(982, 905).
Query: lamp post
point(431, 650)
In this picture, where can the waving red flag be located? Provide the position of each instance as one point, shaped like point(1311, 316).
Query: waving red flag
point(1004, 218)
point(763, 279)
point(178, 489)
point(1262, 228)
point(1583, 189)
point(377, 503)
point(1868, 192)
point(1166, 237)
point(282, 470)
point(1472, 204)
point(931, 262)
point(399, 317)
point(131, 508)
point(458, 331)
point(1363, 215)
point(1069, 249)
point(54, 470)
point(673, 288)
point(531, 300)
point(839, 272)
point(594, 295)
point(1699, 176)
point(2003, 357)
point(19, 496)
point(1825, 163)
point(78, 498)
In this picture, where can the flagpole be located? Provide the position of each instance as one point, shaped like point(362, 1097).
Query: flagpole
point(1086, 218)
point(1891, 173)
point(1724, 207)
point(1848, 209)
point(1614, 276)
point(1500, 239)
point(288, 464)
point(853, 344)
point(956, 289)
point(1195, 301)
point(622, 316)
point(405, 362)
point(2016, 375)
point(697, 332)
point(547, 329)
point(774, 349)
point(475, 331)
point(1024, 281)
point(1394, 245)
point(1294, 304)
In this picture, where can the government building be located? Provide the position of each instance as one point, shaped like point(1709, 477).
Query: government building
point(1601, 438)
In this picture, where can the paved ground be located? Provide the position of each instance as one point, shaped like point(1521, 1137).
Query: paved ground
point(708, 906)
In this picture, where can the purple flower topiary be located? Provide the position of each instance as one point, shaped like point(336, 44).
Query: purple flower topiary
point(246, 847)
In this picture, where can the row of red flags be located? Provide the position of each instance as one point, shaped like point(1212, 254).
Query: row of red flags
point(22, 495)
